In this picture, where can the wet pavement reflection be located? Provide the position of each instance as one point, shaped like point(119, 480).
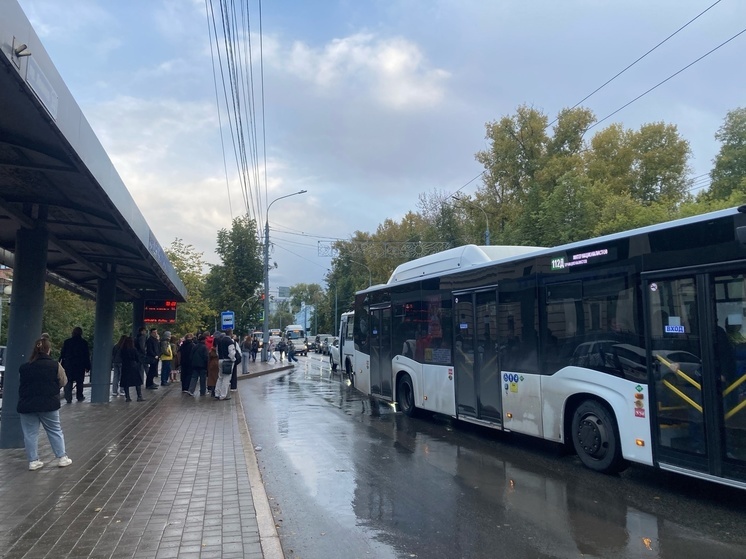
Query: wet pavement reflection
point(348, 477)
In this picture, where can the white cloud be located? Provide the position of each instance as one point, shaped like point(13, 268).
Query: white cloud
point(394, 72)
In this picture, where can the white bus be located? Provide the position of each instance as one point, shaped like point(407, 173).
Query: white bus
point(296, 334)
point(627, 347)
point(343, 353)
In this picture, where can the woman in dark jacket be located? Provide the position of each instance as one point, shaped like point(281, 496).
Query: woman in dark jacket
point(131, 371)
point(39, 402)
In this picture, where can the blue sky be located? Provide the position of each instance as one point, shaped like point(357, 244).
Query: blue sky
point(370, 103)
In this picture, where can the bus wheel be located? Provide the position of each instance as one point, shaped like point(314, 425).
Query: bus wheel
point(405, 396)
point(595, 437)
point(332, 363)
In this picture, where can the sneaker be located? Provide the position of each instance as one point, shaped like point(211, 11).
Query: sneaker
point(115, 394)
point(35, 465)
point(140, 399)
point(223, 399)
point(64, 461)
point(164, 384)
point(152, 387)
point(81, 398)
point(185, 392)
point(128, 399)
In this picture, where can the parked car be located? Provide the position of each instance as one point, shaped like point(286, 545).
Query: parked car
point(334, 358)
point(319, 344)
point(326, 345)
point(301, 347)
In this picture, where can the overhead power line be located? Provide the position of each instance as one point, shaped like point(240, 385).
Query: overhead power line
point(708, 53)
point(607, 82)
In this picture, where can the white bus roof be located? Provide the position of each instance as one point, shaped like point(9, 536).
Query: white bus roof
point(469, 256)
point(454, 259)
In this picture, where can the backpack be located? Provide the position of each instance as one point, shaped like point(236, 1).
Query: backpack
point(238, 354)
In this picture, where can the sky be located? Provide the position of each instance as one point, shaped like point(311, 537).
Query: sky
point(370, 103)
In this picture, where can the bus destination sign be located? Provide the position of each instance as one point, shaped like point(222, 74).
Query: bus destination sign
point(159, 311)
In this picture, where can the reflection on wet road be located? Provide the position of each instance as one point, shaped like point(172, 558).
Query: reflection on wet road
point(349, 478)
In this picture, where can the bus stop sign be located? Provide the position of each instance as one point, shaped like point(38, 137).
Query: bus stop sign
point(227, 319)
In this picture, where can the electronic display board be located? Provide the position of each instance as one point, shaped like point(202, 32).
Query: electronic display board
point(159, 311)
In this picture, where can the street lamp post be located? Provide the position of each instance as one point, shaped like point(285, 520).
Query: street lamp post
point(486, 219)
point(370, 276)
point(265, 345)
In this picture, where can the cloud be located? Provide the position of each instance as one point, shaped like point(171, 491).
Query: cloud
point(393, 72)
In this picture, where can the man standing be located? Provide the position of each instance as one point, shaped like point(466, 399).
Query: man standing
point(199, 358)
point(75, 358)
point(226, 357)
point(153, 352)
point(185, 361)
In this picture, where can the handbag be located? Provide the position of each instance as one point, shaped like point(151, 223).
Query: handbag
point(226, 367)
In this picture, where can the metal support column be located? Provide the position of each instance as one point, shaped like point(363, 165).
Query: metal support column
point(103, 335)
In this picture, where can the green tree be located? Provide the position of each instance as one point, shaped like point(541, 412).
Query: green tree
point(189, 264)
point(281, 316)
point(63, 311)
point(729, 173)
point(239, 275)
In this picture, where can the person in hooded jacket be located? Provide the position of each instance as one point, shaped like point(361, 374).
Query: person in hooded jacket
point(39, 403)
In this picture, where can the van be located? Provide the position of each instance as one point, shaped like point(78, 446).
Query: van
point(296, 334)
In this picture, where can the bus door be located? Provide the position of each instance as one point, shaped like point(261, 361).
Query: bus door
point(478, 387)
point(380, 352)
point(697, 345)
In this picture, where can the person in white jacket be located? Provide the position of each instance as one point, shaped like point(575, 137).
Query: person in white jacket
point(226, 357)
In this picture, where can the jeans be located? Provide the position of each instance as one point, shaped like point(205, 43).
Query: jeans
point(30, 427)
point(221, 388)
point(245, 363)
point(200, 374)
point(165, 371)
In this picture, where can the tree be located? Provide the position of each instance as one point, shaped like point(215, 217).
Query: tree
point(63, 311)
point(189, 264)
point(729, 173)
point(239, 275)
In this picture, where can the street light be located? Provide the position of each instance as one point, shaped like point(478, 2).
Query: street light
point(265, 345)
point(370, 277)
point(486, 219)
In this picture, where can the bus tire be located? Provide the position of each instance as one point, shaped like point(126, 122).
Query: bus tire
point(595, 437)
point(405, 396)
point(332, 363)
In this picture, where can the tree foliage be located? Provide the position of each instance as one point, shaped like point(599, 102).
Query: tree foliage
point(729, 173)
point(238, 278)
point(189, 264)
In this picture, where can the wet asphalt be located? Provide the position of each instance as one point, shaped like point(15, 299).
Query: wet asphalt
point(347, 477)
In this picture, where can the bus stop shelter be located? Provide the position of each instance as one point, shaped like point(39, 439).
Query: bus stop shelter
point(66, 217)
